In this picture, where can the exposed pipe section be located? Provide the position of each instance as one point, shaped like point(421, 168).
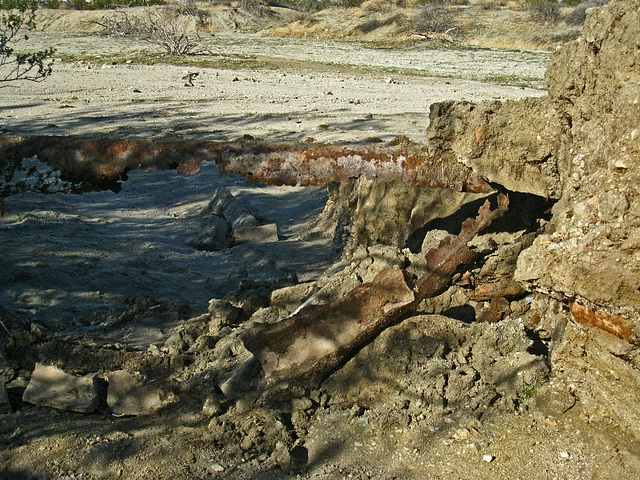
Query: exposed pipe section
point(100, 161)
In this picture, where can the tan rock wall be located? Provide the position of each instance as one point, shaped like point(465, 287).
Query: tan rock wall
point(592, 251)
point(580, 145)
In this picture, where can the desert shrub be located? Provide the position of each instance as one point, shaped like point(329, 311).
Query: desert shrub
point(424, 3)
point(314, 5)
point(254, 7)
point(171, 31)
point(489, 4)
point(189, 9)
point(106, 4)
point(434, 19)
point(164, 26)
point(304, 17)
point(578, 14)
point(381, 6)
point(348, 3)
point(14, 28)
point(543, 10)
point(302, 5)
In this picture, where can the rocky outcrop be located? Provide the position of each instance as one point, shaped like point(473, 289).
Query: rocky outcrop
point(590, 253)
point(129, 394)
point(581, 146)
point(519, 145)
point(369, 212)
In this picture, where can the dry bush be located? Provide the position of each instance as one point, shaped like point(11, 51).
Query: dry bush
point(543, 10)
point(490, 4)
point(172, 31)
point(425, 3)
point(254, 7)
point(119, 24)
point(165, 26)
point(516, 5)
point(434, 19)
point(578, 14)
point(304, 18)
point(379, 6)
point(190, 9)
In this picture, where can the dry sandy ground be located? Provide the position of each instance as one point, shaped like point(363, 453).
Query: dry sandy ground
point(279, 89)
point(65, 255)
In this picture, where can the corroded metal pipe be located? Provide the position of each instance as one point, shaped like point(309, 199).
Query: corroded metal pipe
point(99, 161)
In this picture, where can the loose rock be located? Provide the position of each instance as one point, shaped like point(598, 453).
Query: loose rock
point(53, 387)
point(129, 395)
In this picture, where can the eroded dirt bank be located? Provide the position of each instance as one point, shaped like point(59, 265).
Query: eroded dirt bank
point(525, 367)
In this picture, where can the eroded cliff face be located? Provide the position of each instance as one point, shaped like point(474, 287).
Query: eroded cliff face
point(591, 252)
point(581, 147)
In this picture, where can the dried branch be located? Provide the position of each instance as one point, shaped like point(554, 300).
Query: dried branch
point(167, 27)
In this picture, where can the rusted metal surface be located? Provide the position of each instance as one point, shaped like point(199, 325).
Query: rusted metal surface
point(311, 343)
point(307, 345)
point(498, 308)
point(318, 164)
point(601, 319)
point(444, 260)
point(100, 160)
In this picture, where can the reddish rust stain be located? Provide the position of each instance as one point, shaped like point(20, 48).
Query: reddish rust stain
point(599, 318)
point(94, 160)
point(498, 308)
point(189, 167)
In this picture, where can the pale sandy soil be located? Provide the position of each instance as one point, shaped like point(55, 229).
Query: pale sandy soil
point(288, 89)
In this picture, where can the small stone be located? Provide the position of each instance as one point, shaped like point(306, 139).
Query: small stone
point(216, 468)
point(258, 234)
point(488, 458)
point(212, 406)
point(5, 406)
point(281, 456)
point(244, 405)
point(461, 434)
point(564, 454)
point(154, 350)
point(222, 314)
point(176, 343)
